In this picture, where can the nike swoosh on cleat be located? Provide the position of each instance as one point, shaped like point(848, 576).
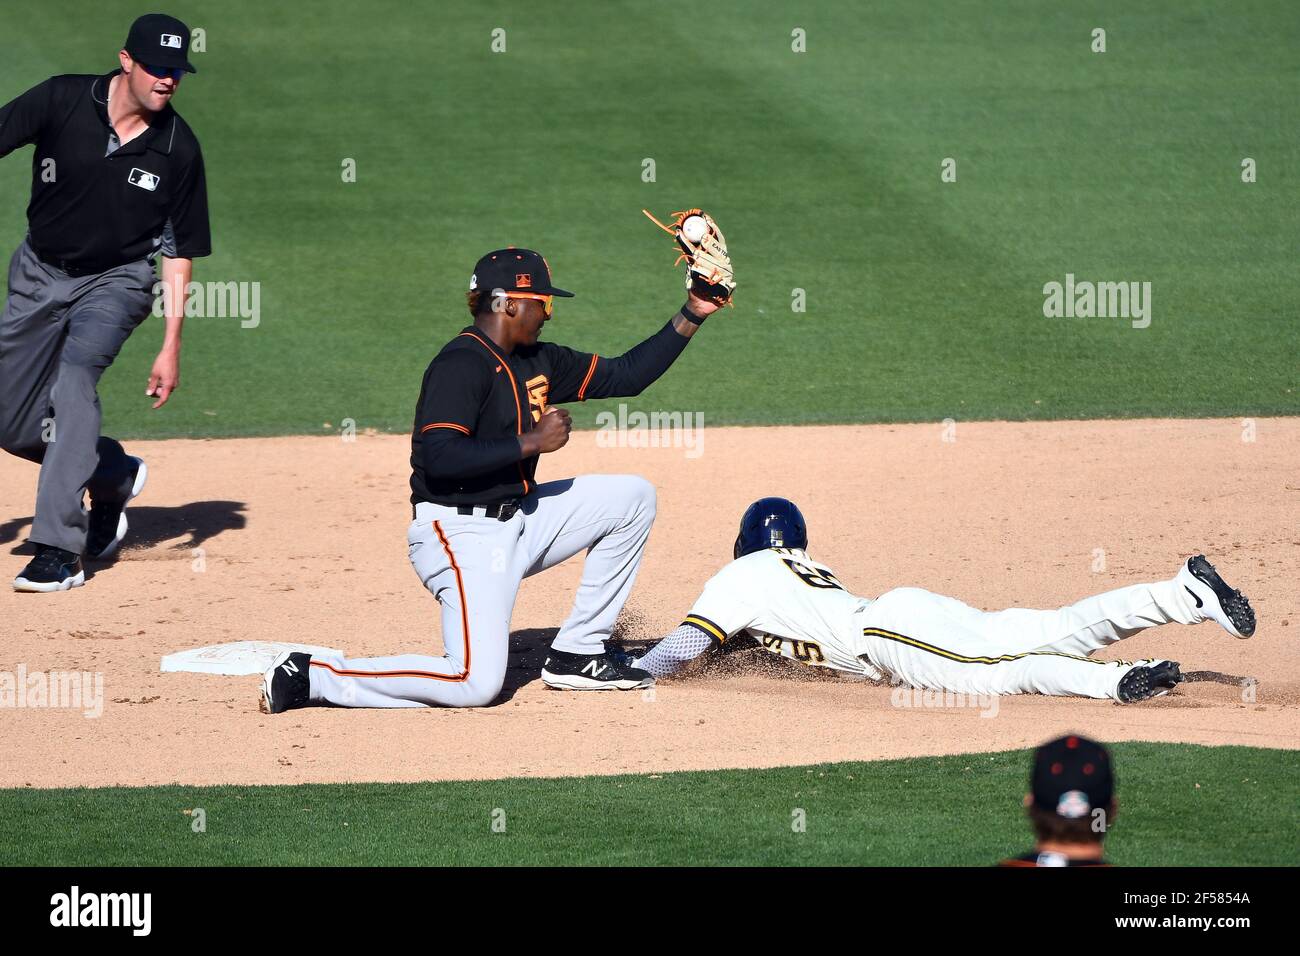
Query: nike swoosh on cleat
point(1195, 597)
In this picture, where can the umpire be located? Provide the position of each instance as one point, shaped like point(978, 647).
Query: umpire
point(117, 177)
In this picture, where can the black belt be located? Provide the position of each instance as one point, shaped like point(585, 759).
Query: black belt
point(77, 269)
point(501, 511)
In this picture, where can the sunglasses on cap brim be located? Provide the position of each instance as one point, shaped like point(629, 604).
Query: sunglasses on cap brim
point(162, 72)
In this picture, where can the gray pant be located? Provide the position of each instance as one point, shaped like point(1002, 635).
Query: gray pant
point(57, 335)
point(474, 565)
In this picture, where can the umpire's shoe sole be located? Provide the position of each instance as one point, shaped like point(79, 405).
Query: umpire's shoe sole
point(44, 587)
point(565, 671)
point(1215, 599)
point(108, 524)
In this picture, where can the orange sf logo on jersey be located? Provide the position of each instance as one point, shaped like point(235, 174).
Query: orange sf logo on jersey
point(539, 387)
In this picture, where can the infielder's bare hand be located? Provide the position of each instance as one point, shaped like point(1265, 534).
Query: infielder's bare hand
point(551, 433)
point(165, 377)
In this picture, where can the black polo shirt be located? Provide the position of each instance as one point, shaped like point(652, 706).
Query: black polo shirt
point(96, 211)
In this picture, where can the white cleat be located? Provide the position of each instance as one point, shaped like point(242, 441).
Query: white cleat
point(1215, 600)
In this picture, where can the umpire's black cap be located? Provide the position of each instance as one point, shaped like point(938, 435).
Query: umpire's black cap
point(1072, 777)
point(514, 270)
point(159, 40)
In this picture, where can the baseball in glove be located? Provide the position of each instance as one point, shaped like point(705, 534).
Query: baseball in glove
point(708, 267)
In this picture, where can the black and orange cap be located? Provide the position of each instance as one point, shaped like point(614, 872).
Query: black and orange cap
point(1072, 777)
point(514, 270)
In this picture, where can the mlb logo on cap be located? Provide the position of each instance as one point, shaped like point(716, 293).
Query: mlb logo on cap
point(1072, 805)
point(160, 41)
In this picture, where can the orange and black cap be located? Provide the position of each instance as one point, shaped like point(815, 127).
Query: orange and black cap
point(1072, 777)
point(514, 270)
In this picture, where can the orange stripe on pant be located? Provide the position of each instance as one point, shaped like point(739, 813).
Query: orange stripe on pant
point(464, 621)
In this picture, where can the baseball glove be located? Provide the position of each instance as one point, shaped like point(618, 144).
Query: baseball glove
point(708, 267)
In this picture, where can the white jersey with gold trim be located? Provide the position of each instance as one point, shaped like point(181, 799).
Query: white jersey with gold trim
point(791, 605)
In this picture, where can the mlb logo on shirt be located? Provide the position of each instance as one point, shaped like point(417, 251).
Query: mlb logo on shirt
point(171, 40)
point(144, 180)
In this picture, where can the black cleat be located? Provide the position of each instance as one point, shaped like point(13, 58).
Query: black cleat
point(53, 569)
point(1215, 600)
point(565, 671)
point(1148, 680)
point(108, 523)
point(286, 685)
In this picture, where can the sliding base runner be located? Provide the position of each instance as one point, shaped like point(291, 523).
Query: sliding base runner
point(794, 606)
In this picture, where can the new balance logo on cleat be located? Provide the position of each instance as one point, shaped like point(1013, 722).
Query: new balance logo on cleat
point(564, 671)
point(286, 684)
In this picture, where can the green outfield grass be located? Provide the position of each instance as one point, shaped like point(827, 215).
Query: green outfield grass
point(1180, 805)
point(924, 299)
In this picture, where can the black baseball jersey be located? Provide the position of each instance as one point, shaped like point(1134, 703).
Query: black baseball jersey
point(476, 401)
point(97, 211)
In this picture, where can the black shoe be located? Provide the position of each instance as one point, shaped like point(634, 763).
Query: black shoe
point(620, 656)
point(53, 569)
point(1147, 681)
point(108, 518)
point(565, 671)
point(1214, 598)
point(286, 685)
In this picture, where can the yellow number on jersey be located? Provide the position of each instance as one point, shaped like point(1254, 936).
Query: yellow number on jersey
point(805, 652)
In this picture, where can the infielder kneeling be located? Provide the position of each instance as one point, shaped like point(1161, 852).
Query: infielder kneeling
point(481, 522)
point(797, 608)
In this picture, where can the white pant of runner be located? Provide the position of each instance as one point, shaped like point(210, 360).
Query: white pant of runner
point(473, 565)
point(930, 641)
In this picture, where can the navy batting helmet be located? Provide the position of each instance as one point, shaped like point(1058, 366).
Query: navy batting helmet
point(771, 523)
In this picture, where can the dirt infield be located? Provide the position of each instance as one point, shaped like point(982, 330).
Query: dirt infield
point(304, 539)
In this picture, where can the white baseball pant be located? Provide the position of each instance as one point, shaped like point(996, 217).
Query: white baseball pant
point(935, 642)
